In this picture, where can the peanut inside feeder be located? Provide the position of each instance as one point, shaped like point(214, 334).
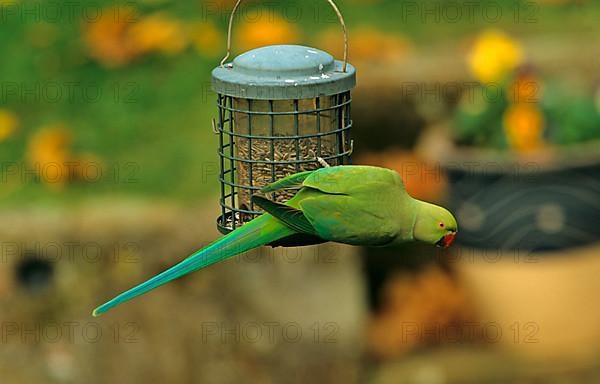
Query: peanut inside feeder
point(280, 109)
point(295, 144)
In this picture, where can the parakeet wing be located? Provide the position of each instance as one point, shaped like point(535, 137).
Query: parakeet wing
point(354, 204)
point(349, 204)
point(294, 180)
point(366, 217)
point(345, 179)
point(290, 216)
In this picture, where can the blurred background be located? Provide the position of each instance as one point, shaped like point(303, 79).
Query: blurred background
point(109, 174)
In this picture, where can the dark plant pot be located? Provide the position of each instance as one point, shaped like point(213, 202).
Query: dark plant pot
point(547, 201)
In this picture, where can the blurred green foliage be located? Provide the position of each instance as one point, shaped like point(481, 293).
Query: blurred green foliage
point(155, 111)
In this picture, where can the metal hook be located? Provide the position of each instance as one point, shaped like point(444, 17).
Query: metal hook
point(333, 5)
point(351, 148)
point(214, 127)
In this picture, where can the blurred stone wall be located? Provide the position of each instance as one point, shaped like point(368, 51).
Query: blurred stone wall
point(269, 316)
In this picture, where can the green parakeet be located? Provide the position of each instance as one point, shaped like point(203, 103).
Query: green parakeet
point(357, 205)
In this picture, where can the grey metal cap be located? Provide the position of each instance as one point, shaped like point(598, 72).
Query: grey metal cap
point(283, 72)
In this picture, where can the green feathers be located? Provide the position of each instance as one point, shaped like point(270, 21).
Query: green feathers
point(355, 205)
point(260, 231)
point(291, 217)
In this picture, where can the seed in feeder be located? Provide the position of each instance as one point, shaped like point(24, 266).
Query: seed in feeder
point(281, 162)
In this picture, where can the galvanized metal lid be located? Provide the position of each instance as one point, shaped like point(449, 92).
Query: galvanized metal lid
point(283, 72)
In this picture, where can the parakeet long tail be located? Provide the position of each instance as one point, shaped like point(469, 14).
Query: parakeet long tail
point(260, 231)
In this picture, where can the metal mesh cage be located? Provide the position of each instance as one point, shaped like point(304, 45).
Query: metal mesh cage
point(262, 141)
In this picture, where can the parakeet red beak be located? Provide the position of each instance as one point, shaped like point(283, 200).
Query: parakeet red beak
point(447, 240)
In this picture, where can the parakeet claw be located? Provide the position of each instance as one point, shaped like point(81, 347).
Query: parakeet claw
point(323, 163)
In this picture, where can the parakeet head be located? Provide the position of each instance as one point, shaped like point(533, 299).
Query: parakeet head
point(434, 225)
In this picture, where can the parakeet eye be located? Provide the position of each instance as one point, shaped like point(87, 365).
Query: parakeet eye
point(441, 225)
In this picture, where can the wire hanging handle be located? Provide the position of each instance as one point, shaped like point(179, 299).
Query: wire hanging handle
point(333, 5)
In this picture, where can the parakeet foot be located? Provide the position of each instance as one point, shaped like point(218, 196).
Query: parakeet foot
point(323, 163)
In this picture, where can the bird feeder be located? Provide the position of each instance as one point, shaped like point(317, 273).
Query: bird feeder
point(281, 108)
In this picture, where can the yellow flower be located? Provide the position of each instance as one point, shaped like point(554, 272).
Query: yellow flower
point(108, 41)
point(367, 44)
point(115, 43)
point(207, 39)
point(266, 31)
point(158, 33)
point(494, 54)
point(49, 154)
point(524, 127)
point(9, 123)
